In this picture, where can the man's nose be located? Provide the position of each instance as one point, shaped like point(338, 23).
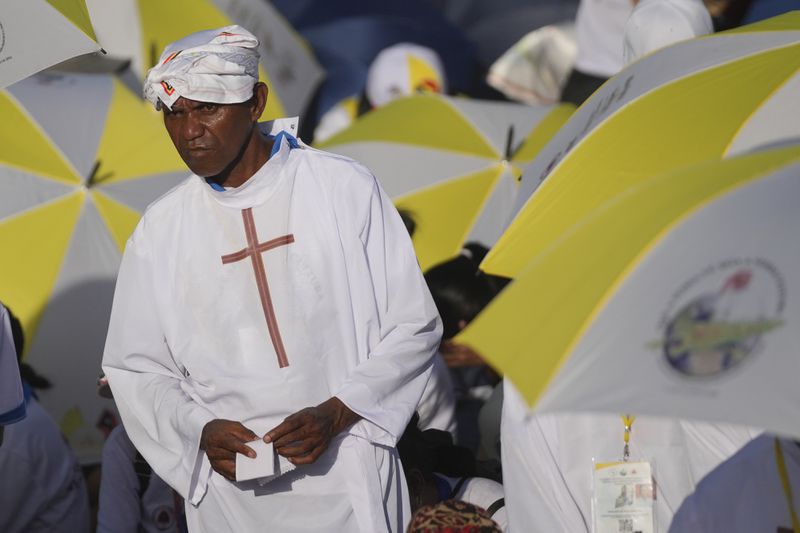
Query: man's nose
point(192, 128)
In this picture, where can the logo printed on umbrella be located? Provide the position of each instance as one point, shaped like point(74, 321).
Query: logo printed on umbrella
point(719, 317)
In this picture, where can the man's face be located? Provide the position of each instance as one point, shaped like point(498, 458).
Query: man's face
point(209, 136)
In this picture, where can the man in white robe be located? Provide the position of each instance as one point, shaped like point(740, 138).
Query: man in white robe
point(747, 492)
point(273, 296)
point(548, 461)
point(12, 402)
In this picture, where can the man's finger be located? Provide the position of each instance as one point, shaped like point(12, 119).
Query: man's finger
point(298, 448)
point(310, 458)
point(300, 434)
point(226, 468)
point(287, 426)
point(237, 446)
point(243, 434)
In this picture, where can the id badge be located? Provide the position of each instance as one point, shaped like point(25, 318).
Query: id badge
point(624, 497)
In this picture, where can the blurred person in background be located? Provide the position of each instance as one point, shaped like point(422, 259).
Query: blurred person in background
point(436, 471)
point(758, 489)
point(133, 499)
point(41, 483)
point(12, 401)
point(599, 31)
point(400, 70)
point(461, 291)
point(654, 24)
point(549, 459)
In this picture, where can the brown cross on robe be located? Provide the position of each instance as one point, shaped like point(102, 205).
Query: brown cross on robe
point(254, 250)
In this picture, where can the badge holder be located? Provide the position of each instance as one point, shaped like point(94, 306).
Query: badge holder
point(624, 492)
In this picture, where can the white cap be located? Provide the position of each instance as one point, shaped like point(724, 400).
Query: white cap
point(219, 66)
point(655, 24)
point(402, 70)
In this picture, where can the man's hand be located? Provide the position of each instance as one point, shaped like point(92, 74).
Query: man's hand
point(222, 440)
point(305, 435)
point(457, 355)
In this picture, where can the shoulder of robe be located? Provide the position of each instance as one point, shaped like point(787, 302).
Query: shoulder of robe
point(338, 172)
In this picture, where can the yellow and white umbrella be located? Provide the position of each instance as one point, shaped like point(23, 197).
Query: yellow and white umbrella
point(706, 98)
point(80, 159)
point(36, 34)
point(140, 29)
point(452, 163)
point(680, 297)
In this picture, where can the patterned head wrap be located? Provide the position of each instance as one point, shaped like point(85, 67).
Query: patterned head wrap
point(219, 66)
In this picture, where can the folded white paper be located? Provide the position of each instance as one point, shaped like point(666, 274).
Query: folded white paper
point(266, 466)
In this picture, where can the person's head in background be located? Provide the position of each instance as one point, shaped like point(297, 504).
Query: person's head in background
point(654, 24)
point(402, 70)
point(460, 290)
point(26, 372)
point(424, 452)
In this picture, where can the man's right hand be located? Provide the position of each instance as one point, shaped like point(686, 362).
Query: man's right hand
point(222, 440)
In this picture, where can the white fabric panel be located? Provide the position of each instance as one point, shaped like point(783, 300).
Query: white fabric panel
point(118, 29)
point(494, 120)
point(620, 363)
point(68, 345)
point(496, 211)
point(21, 191)
point(140, 192)
point(71, 109)
point(28, 23)
point(777, 120)
point(402, 169)
point(670, 64)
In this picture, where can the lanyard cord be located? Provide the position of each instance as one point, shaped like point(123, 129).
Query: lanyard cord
point(627, 421)
point(787, 487)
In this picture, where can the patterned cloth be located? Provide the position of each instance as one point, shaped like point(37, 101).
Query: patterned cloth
point(452, 516)
point(219, 66)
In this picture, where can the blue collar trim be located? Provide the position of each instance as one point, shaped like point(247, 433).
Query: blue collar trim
point(277, 142)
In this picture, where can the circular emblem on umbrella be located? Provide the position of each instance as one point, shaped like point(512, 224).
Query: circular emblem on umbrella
point(720, 317)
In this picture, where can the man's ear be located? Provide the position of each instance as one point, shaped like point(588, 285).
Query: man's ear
point(260, 94)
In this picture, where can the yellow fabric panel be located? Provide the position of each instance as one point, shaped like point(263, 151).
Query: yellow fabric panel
point(77, 12)
point(120, 219)
point(419, 71)
point(274, 108)
point(679, 124)
point(424, 120)
point(34, 244)
point(446, 212)
point(532, 327)
point(543, 132)
point(134, 142)
point(24, 145)
point(786, 22)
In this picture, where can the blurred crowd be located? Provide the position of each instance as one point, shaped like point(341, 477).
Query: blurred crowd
point(475, 458)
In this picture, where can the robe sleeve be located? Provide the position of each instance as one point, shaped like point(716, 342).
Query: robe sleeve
point(385, 388)
point(162, 420)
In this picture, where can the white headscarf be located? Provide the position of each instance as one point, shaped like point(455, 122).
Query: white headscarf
point(219, 66)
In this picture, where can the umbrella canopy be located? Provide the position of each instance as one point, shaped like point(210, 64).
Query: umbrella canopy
point(140, 29)
point(676, 298)
point(711, 97)
point(80, 159)
point(451, 163)
point(36, 34)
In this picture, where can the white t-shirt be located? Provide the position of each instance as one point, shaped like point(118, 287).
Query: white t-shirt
point(41, 483)
point(744, 493)
point(599, 29)
point(11, 401)
point(121, 508)
point(437, 408)
point(655, 24)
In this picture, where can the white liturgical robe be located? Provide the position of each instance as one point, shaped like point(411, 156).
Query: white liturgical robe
point(548, 461)
point(252, 303)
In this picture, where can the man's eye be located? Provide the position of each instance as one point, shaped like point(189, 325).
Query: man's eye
point(209, 107)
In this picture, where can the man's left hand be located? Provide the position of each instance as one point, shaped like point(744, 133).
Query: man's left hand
point(305, 435)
